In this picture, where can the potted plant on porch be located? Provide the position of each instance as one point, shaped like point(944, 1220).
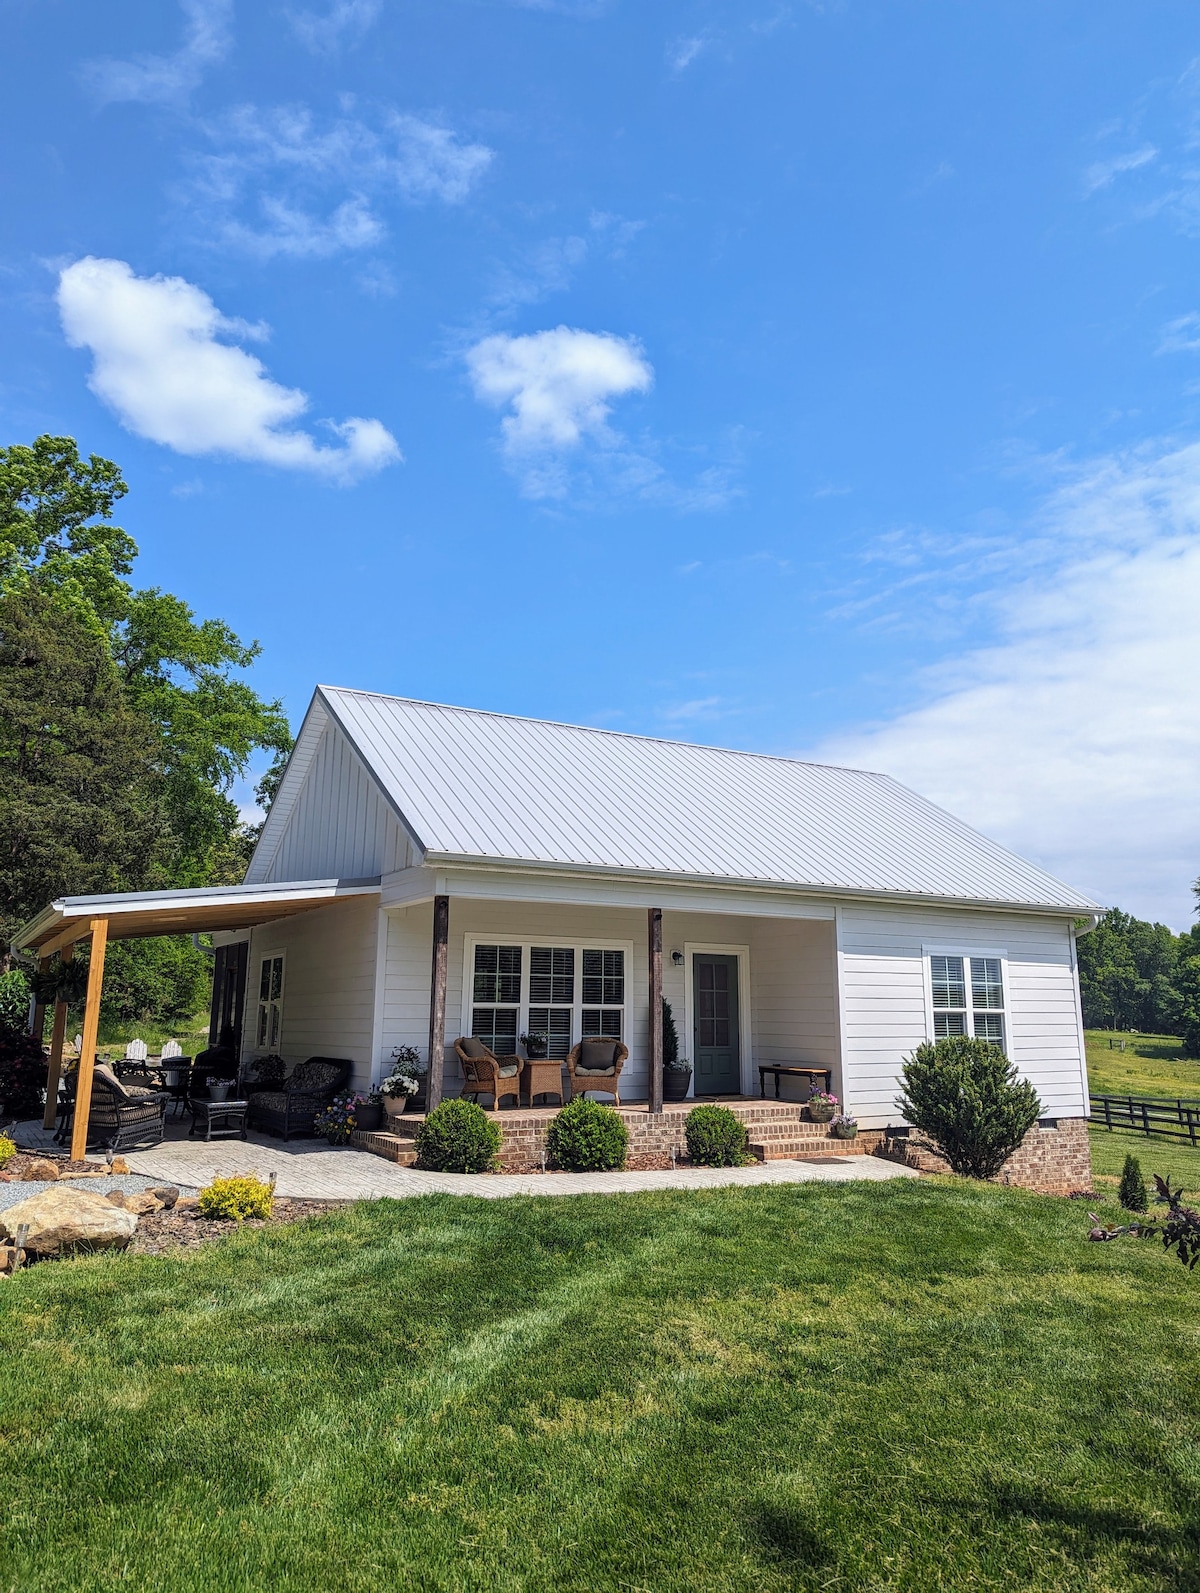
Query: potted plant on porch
point(400, 1086)
point(677, 1070)
point(536, 1044)
point(843, 1126)
point(822, 1106)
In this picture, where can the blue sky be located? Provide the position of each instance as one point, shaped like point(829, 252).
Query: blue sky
point(816, 379)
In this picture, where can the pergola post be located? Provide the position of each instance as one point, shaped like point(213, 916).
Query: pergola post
point(437, 1002)
point(91, 1030)
point(654, 917)
point(57, 1035)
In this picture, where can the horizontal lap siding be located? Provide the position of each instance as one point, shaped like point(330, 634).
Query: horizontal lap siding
point(793, 1000)
point(341, 826)
point(329, 990)
point(883, 982)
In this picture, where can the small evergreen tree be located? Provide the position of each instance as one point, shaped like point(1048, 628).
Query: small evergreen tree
point(1132, 1193)
point(968, 1097)
point(670, 1036)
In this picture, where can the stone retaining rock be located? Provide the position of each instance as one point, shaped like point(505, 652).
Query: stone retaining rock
point(64, 1219)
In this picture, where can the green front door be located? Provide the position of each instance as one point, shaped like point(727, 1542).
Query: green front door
point(718, 1070)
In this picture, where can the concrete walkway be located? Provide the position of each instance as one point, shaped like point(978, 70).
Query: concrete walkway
point(310, 1170)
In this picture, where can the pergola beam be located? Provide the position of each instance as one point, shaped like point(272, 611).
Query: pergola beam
point(91, 1031)
point(78, 929)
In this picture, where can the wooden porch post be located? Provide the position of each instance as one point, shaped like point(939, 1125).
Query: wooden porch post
point(91, 1028)
point(654, 917)
point(437, 1002)
point(57, 1034)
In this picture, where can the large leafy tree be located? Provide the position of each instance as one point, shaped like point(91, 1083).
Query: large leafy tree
point(180, 673)
point(143, 719)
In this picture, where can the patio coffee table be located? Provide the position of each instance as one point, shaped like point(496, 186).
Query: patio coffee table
point(543, 1076)
point(229, 1115)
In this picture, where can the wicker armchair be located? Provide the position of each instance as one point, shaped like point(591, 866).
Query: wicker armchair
point(595, 1064)
point(119, 1115)
point(309, 1090)
point(484, 1073)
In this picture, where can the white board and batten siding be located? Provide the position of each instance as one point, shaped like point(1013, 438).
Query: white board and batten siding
point(341, 825)
point(886, 997)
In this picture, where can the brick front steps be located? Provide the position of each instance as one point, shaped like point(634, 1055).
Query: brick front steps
point(777, 1130)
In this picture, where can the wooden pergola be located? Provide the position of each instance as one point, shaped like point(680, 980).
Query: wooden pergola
point(72, 920)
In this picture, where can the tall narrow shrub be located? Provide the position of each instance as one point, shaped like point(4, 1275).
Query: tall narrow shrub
point(670, 1036)
point(970, 1100)
point(1132, 1193)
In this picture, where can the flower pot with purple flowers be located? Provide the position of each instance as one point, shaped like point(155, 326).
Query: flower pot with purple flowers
point(822, 1106)
point(843, 1127)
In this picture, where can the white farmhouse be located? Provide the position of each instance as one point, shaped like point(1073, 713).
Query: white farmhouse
point(809, 916)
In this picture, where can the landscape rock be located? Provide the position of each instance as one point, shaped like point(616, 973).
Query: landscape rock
point(61, 1220)
point(41, 1170)
point(120, 1165)
point(187, 1203)
point(142, 1203)
point(116, 1197)
point(165, 1194)
point(9, 1257)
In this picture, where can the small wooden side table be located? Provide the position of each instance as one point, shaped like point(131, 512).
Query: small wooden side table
point(543, 1076)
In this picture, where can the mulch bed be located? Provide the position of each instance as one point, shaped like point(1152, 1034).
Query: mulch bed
point(161, 1231)
point(16, 1170)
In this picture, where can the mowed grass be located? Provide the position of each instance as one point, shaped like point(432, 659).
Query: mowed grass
point(932, 1385)
point(1151, 1067)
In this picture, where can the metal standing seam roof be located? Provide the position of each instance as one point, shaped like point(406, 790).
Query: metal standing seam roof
point(491, 787)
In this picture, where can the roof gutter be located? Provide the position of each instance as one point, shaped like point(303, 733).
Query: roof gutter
point(717, 882)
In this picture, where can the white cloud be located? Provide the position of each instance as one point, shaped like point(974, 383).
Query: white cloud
point(1075, 737)
point(683, 52)
point(1102, 173)
point(558, 385)
point(287, 150)
point(345, 22)
point(1181, 336)
point(162, 79)
point(159, 364)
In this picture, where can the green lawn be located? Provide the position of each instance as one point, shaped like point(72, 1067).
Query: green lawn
point(1151, 1066)
point(922, 1386)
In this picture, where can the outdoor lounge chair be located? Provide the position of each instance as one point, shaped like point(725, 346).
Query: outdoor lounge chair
point(309, 1090)
point(484, 1073)
point(595, 1064)
point(121, 1114)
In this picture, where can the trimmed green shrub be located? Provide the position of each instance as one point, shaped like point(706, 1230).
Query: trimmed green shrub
point(586, 1137)
point(670, 1036)
point(235, 1199)
point(8, 1149)
point(715, 1137)
point(1132, 1193)
point(457, 1137)
point(970, 1100)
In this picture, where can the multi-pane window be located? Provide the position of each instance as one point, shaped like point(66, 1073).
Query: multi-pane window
point(552, 996)
point(968, 997)
point(603, 993)
point(268, 1031)
point(563, 992)
point(496, 991)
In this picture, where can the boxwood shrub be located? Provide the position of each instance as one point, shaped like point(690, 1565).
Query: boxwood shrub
point(457, 1137)
point(587, 1137)
point(235, 1199)
point(715, 1137)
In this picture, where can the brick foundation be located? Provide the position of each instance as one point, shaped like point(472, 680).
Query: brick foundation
point(1051, 1160)
point(777, 1131)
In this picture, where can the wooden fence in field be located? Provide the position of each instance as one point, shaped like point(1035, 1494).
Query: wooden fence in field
point(1173, 1119)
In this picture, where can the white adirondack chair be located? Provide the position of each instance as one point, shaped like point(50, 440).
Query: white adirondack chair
point(136, 1051)
point(172, 1048)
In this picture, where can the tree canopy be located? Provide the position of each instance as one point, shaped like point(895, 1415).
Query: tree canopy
point(1138, 975)
point(124, 719)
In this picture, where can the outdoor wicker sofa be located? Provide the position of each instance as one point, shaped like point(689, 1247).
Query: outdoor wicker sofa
point(595, 1064)
point(121, 1114)
point(485, 1073)
point(308, 1090)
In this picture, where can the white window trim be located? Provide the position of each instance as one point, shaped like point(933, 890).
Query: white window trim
point(704, 948)
point(966, 952)
point(578, 943)
point(261, 957)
